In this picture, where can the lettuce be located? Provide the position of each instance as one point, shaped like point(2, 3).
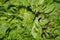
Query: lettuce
point(29, 19)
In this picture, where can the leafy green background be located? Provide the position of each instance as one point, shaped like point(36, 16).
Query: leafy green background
point(29, 19)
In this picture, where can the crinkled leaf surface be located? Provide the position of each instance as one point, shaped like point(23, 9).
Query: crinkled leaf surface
point(29, 19)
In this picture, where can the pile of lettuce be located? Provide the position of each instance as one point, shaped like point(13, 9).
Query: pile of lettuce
point(29, 19)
